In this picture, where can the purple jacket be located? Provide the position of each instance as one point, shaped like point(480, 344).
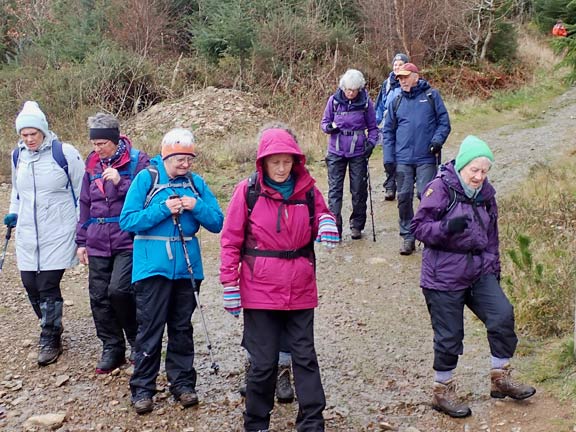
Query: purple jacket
point(452, 262)
point(101, 199)
point(356, 120)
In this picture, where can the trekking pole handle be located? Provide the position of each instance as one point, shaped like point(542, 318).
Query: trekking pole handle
point(9, 232)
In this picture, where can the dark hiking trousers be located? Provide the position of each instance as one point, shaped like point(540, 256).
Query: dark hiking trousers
point(262, 332)
point(358, 173)
point(164, 302)
point(406, 177)
point(390, 180)
point(43, 289)
point(112, 300)
point(488, 302)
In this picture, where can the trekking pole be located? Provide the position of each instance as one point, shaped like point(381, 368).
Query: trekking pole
point(8, 235)
point(214, 366)
point(370, 196)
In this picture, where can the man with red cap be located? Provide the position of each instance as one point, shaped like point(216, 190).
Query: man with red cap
point(415, 129)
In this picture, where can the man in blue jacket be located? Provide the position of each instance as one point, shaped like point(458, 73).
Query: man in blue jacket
point(415, 128)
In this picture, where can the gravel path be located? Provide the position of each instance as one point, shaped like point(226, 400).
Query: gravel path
point(374, 339)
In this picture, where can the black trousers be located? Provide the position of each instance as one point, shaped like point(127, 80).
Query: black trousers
point(164, 302)
point(488, 302)
point(358, 173)
point(112, 299)
point(262, 332)
point(41, 286)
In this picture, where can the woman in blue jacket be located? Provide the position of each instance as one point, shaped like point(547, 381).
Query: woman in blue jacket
point(160, 198)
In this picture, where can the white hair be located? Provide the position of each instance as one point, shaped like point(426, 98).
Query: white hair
point(352, 80)
point(182, 137)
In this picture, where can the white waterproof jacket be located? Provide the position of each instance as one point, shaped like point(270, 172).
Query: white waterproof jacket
point(42, 199)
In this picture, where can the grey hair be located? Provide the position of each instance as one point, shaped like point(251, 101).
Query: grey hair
point(352, 79)
point(276, 125)
point(180, 136)
point(103, 121)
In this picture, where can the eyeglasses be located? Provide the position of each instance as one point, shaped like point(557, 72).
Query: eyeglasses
point(184, 160)
point(100, 143)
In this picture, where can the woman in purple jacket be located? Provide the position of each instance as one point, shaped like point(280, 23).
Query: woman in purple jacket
point(350, 120)
point(102, 245)
point(458, 223)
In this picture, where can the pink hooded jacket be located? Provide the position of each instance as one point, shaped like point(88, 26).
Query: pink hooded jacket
point(270, 282)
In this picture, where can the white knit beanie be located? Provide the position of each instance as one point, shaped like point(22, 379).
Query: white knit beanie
point(32, 116)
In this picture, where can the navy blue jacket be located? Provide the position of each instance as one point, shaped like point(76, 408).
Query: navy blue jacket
point(414, 125)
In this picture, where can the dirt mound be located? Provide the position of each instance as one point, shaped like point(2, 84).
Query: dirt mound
point(208, 112)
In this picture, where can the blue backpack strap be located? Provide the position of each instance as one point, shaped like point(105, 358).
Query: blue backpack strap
point(134, 154)
point(60, 158)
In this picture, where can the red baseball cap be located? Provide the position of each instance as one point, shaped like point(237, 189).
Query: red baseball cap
point(406, 69)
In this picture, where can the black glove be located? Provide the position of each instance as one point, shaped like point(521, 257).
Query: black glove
point(435, 147)
point(368, 149)
point(390, 168)
point(332, 129)
point(458, 224)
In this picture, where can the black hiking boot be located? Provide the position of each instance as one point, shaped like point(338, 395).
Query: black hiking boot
point(48, 354)
point(111, 359)
point(143, 406)
point(408, 247)
point(242, 388)
point(284, 390)
point(389, 195)
point(355, 233)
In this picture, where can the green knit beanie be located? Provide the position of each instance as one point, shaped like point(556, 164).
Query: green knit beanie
point(471, 148)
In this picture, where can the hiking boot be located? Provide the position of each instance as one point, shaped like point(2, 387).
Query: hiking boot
point(188, 399)
point(284, 390)
point(503, 385)
point(132, 358)
point(111, 359)
point(355, 233)
point(445, 401)
point(48, 354)
point(389, 195)
point(242, 388)
point(408, 246)
point(143, 406)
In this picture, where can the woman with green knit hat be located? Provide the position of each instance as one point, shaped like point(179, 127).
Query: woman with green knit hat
point(458, 223)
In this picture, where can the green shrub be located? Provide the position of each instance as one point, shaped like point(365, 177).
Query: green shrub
point(537, 232)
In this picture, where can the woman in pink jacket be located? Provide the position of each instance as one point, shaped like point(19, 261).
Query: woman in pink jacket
point(268, 268)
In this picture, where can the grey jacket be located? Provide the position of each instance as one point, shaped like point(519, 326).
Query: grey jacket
point(46, 228)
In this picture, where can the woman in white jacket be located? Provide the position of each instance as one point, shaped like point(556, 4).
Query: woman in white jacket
point(46, 178)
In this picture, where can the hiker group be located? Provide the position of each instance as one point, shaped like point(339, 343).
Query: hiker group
point(133, 220)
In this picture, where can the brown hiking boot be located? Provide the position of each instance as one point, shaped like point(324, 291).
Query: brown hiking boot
point(355, 233)
point(444, 400)
point(503, 385)
point(188, 399)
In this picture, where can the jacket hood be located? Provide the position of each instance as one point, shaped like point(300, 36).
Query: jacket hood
point(356, 104)
point(448, 173)
point(421, 87)
point(277, 141)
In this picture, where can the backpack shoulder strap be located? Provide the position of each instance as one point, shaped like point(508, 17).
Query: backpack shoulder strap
point(252, 192)
point(15, 156)
point(311, 205)
point(153, 190)
point(134, 155)
point(60, 158)
point(432, 104)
